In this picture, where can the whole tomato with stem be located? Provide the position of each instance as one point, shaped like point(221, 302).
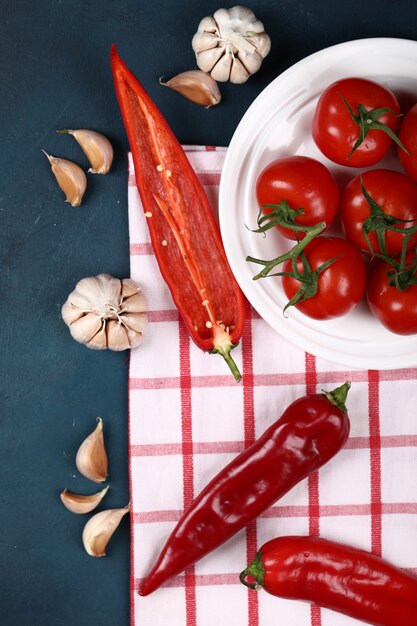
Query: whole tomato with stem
point(408, 136)
point(392, 293)
point(327, 280)
point(355, 122)
point(378, 211)
point(298, 190)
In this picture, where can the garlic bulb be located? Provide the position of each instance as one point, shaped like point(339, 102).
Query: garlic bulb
point(96, 147)
point(70, 178)
point(100, 528)
point(91, 459)
point(197, 86)
point(105, 312)
point(231, 45)
point(79, 504)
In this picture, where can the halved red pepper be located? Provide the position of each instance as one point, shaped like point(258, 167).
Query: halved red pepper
point(184, 234)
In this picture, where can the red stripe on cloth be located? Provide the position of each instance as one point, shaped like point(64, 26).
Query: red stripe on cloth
point(141, 249)
point(249, 434)
point(168, 315)
point(131, 181)
point(209, 179)
point(202, 580)
point(133, 587)
point(210, 148)
point(188, 461)
point(375, 461)
point(313, 481)
point(295, 511)
point(267, 380)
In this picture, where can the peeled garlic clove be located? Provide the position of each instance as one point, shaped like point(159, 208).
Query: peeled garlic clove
point(79, 504)
point(91, 459)
point(238, 73)
point(84, 328)
point(96, 147)
point(70, 178)
point(94, 310)
point(207, 59)
point(100, 528)
point(197, 86)
point(221, 71)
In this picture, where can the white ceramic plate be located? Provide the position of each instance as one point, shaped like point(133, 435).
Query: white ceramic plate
point(278, 124)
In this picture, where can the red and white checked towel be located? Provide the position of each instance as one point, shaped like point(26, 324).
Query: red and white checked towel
point(188, 418)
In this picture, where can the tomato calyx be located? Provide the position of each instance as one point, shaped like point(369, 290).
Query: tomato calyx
point(403, 273)
point(379, 222)
point(307, 278)
point(369, 120)
point(256, 571)
point(279, 215)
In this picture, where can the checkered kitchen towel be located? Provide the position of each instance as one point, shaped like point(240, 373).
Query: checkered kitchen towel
point(188, 418)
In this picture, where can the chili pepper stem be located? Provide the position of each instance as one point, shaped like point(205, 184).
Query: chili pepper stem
point(223, 346)
point(338, 396)
point(256, 571)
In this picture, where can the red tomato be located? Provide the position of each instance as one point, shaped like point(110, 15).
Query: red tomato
point(303, 183)
point(408, 136)
point(335, 132)
point(395, 309)
point(395, 193)
point(340, 286)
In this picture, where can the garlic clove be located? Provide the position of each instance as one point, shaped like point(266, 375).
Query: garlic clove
point(91, 459)
point(135, 304)
point(84, 329)
point(221, 71)
point(262, 43)
point(239, 73)
point(207, 59)
point(135, 338)
point(208, 24)
point(135, 321)
point(117, 338)
point(96, 147)
point(204, 41)
point(70, 178)
point(197, 86)
point(79, 504)
point(99, 341)
point(100, 528)
point(70, 313)
point(129, 287)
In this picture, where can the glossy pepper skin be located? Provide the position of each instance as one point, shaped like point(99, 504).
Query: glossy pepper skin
point(335, 576)
point(307, 435)
point(184, 235)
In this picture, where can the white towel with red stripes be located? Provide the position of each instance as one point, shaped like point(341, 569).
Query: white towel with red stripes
point(188, 418)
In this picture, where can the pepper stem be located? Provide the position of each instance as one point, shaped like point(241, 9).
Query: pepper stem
point(224, 346)
point(338, 396)
point(255, 570)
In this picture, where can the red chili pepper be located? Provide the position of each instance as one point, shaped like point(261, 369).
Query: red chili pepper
point(335, 576)
point(184, 234)
point(307, 435)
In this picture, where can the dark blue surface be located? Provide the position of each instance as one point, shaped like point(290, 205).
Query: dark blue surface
point(54, 73)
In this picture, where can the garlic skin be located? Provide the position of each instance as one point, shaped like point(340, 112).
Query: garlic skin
point(96, 147)
point(70, 178)
point(105, 312)
point(197, 86)
point(80, 504)
point(100, 528)
point(91, 459)
point(231, 45)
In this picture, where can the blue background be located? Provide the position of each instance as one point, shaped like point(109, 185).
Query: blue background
point(54, 73)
